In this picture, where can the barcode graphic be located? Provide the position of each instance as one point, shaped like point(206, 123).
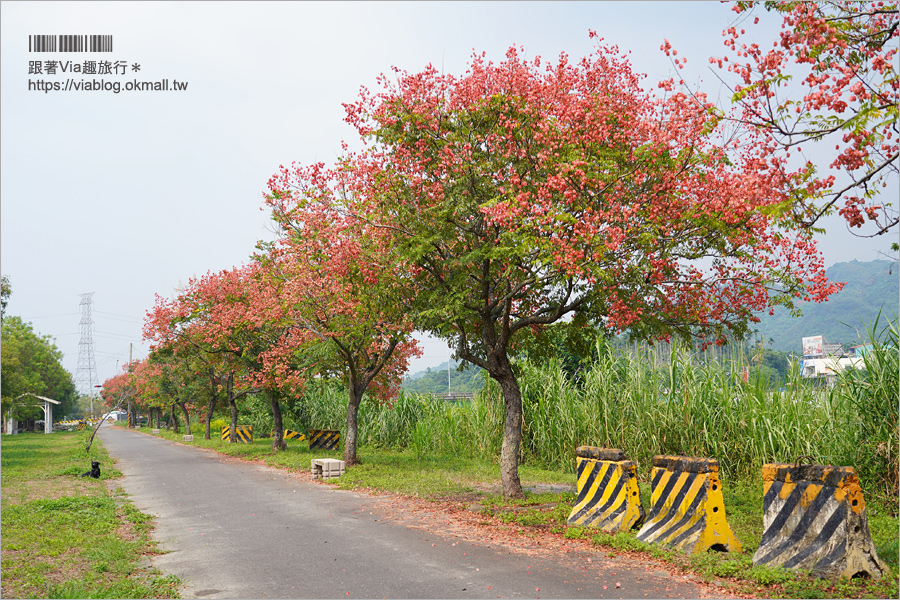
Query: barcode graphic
point(70, 43)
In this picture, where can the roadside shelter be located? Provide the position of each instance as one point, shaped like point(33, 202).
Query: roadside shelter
point(46, 405)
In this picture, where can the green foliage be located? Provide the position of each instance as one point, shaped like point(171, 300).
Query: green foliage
point(216, 426)
point(577, 533)
point(5, 293)
point(256, 411)
point(621, 541)
point(464, 379)
point(32, 364)
point(574, 344)
point(866, 399)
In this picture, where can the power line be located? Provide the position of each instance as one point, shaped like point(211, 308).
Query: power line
point(117, 315)
point(130, 337)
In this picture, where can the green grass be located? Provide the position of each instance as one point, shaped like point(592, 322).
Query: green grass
point(398, 471)
point(65, 536)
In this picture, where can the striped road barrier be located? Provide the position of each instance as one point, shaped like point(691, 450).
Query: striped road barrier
point(324, 439)
point(687, 509)
point(290, 434)
point(814, 518)
point(243, 433)
point(608, 494)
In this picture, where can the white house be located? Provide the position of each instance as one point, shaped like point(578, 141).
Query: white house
point(822, 361)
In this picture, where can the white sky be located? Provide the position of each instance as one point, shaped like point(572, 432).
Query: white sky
point(126, 195)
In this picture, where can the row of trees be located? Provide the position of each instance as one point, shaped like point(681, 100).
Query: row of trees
point(31, 366)
point(485, 207)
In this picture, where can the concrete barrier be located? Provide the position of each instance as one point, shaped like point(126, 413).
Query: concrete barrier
point(290, 434)
point(687, 509)
point(815, 519)
point(324, 439)
point(326, 468)
point(244, 433)
point(608, 494)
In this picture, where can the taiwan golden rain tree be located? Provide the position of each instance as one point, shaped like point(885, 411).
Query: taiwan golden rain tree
point(521, 192)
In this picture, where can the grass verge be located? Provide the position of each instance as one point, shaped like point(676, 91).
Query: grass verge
point(67, 536)
point(550, 497)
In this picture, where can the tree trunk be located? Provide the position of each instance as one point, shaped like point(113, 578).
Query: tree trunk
point(512, 436)
point(232, 434)
point(174, 420)
point(187, 418)
point(350, 457)
point(278, 442)
point(232, 405)
point(213, 399)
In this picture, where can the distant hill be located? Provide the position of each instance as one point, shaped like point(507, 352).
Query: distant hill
point(434, 380)
point(871, 286)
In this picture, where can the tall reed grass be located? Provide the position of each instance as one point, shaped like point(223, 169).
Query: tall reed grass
point(647, 404)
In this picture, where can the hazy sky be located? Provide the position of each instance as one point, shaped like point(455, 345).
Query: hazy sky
point(127, 194)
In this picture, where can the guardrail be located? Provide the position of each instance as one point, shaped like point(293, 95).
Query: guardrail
point(454, 397)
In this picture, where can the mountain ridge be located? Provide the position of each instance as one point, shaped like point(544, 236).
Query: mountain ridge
point(846, 316)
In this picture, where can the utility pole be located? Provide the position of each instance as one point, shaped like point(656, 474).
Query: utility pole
point(129, 417)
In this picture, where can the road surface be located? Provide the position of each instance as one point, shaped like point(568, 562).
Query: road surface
point(235, 529)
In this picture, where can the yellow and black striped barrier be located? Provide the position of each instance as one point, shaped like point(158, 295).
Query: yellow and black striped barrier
point(687, 509)
point(608, 494)
point(243, 433)
point(290, 434)
point(324, 439)
point(814, 518)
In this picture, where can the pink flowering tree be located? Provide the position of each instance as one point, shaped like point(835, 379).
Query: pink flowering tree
point(828, 84)
point(522, 192)
point(339, 289)
point(231, 319)
point(183, 336)
point(121, 388)
point(148, 393)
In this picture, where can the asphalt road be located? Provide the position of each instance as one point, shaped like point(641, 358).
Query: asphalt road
point(239, 530)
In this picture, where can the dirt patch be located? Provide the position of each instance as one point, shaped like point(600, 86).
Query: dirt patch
point(59, 569)
point(51, 488)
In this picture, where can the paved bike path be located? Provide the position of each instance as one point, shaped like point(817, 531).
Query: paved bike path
point(240, 530)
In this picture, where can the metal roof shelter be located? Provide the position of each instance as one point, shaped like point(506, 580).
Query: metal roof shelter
point(46, 405)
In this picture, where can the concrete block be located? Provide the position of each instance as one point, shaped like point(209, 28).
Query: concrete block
point(187, 438)
point(325, 468)
point(156, 431)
